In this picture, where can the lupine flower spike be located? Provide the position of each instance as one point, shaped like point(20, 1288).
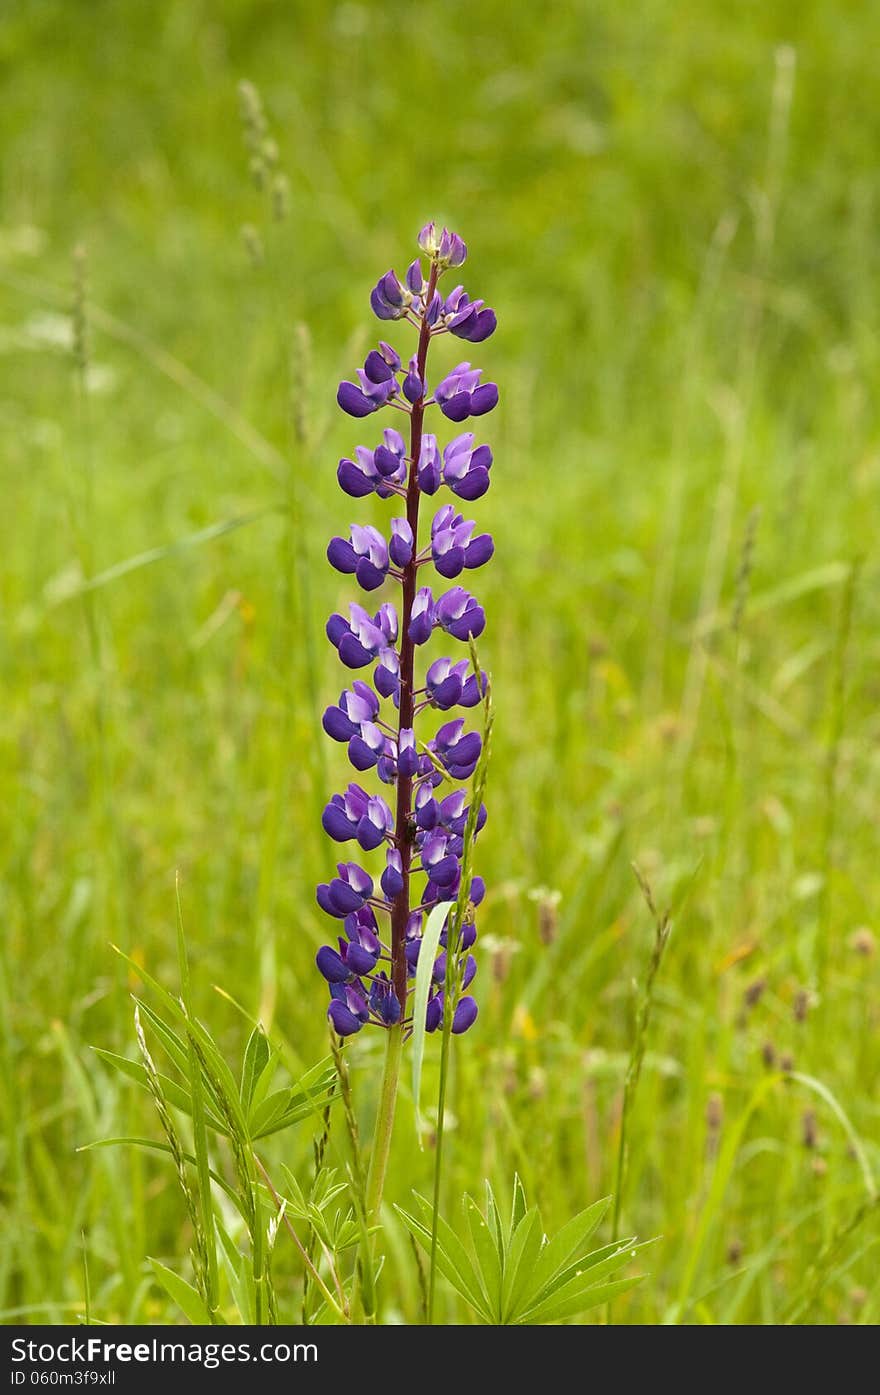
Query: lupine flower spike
point(417, 832)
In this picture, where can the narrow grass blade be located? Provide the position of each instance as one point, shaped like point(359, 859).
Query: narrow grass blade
point(183, 1294)
point(424, 972)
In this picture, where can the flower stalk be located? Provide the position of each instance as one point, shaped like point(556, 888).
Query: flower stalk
point(430, 831)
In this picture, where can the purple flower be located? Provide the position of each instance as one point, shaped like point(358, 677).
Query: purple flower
point(452, 545)
point(389, 299)
point(465, 469)
point(401, 546)
point(465, 1014)
point(453, 685)
point(413, 387)
point(457, 751)
point(440, 864)
point(422, 620)
point(346, 893)
point(384, 1001)
point(348, 1009)
point(357, 955)
point(392, 877)
point(356, 814)
point(381, 470)
point(429, 468)
point(468, 319)
point(444, 247)
point(362, 638)
point(407, 756)
point(459, 614)
point(356, 705)
point(461, 395)
point(366, 556)
point(376, 385)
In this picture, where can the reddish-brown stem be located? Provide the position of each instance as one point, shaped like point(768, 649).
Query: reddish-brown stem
point(403, 828)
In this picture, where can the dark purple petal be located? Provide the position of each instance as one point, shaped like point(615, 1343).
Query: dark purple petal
point(483, 399)
point(345, 1024)
point(387, 680)
point(352, 480)
point(476, 327)
point(479, 550)
point(336, 824)
point(336, 627)
point(457, 408)
point(325, 901)
point(465, 1015)
point(369, 576)
point(362, 756)
point(376, 368)
point(444, 872)
point(337, 725)
point(392, 878)
point(344, 897)
point(434, 1013)
point(413, 388)
point(352, 653)
point(332, 965)
point(355, 402)
point(400, 547)
point(361, 960)
point(341, 555)
point(368, 834)
point(472, 486)
point(387, 463)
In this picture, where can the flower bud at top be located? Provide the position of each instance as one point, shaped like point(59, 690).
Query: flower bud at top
point(445, 248)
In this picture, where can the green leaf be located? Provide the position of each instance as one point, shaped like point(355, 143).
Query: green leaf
point(256, 1059)
point(496, 1225)
point(199, 1118)
point(289, 1106)
point(173, 1045)
point(488, 1258)
point(567, 1243)
point(599, 1263)
point(453, 1260)
point(158, 1147)
point(578, 1300)
point(183, 1294)
point(174, 1093)
point(424, 972)
point(223, 1077)
point(239, 1274)
point(519, 1206)
point(525, 1246)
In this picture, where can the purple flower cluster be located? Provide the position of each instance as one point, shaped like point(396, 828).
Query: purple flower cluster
point(371, 968)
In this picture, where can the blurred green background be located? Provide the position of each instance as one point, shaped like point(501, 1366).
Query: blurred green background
point(673, 209)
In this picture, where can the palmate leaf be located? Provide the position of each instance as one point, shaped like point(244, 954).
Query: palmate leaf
point(453, 1260)
point(512, 1274)
point(580, 1278)
point(490, 1260)
point(578, 1299)
point(525, 1246)
point(568, 1242)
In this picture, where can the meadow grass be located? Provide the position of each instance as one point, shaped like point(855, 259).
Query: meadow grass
point(673, 210)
